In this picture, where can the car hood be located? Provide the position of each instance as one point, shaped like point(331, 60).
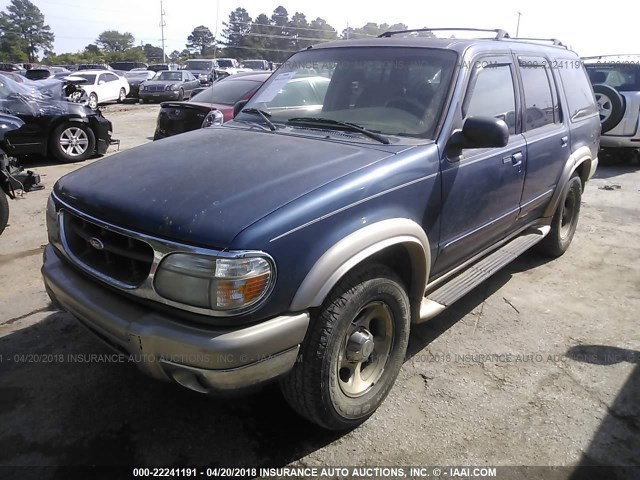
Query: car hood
point(38, 106)
point(206, 186)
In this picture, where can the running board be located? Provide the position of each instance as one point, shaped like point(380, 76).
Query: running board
point(456, 288)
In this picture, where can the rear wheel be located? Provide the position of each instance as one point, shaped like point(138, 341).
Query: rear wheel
point(565, 220)
point(4, 211)
point(353, 352)
point(72, 142)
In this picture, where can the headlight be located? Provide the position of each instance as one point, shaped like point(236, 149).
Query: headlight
point(52, 223)
point(170, 87)
point(213, 118)
point(214, 283)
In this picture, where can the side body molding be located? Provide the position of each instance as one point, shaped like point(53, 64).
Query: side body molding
point(577, 158)
point(359, 246)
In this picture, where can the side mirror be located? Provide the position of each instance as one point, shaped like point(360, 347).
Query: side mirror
point(238, 107)
point(478, 132)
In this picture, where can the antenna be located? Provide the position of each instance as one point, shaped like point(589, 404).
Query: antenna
point(162, 25)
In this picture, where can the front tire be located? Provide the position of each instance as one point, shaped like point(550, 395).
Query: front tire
point(565, 220)
point(4, 211)
point(122, 95)
point(93, 101)
point(181, 95)
point(353, 351)
point(72, 142)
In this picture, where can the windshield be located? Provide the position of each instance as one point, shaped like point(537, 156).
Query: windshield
point(167, 75)
point(624, 77)
point(394, 91)
point(199, 65)
point(226, 92)
point(144, 74)
point(225, 63)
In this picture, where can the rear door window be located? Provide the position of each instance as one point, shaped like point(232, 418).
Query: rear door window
point(540, 104)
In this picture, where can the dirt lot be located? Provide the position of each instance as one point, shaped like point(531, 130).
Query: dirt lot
point(540, 365)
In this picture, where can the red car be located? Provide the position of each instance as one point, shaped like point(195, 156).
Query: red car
point(180, 117)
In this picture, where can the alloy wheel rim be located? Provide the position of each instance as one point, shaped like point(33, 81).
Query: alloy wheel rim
point(365, 349)
point(605, 108)
point(74, 141)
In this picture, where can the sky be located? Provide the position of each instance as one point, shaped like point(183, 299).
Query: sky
point(77, 23)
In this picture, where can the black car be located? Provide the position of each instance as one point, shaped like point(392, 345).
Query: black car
point(68, 131)
point(135, 78)
point(180, 117)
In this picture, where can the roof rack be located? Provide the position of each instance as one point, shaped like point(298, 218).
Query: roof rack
point(500, 34)
point(554, 41)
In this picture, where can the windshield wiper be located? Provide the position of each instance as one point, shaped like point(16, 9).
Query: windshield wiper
point(264, 114)
point(347, 125)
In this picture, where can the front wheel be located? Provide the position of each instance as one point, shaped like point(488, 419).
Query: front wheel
point(181, 95)
point(353, 351)
point(565, 220)
point(72, 142)
point(93, 101)
point(4, 211)
point(122, 95)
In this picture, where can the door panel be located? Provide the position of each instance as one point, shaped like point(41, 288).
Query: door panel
point(481, 192)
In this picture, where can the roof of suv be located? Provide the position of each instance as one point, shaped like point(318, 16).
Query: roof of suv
point(630, 58)
point(458, 45)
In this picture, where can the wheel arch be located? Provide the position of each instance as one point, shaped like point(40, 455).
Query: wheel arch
point(398, 243)
point(581, 162)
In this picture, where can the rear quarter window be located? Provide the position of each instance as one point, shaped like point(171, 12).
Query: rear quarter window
point(577, 89)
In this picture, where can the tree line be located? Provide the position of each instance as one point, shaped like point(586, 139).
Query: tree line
point(24, 36)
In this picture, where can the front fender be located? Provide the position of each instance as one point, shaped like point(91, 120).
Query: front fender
point(357, 247)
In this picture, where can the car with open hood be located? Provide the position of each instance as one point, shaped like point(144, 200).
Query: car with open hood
point(68, 131)
point(302, 241)
point(102, 86)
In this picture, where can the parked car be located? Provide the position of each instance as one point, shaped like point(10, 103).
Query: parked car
point(45, 73)
point(103, 86)
point(127, 65)
point(300, 242)
point(202, 69)
point(68, 131)
point(11, 67)
point(135, 77)
point(168, 85)
point(257, 64)
point(616, 83)
point(180, 117)
point(94, 66)
point(227, 66)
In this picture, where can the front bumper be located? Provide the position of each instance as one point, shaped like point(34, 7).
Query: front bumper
point(159, 96)
point(102, 129)
point(206, 360)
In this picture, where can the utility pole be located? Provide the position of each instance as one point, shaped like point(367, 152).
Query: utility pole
point(215, 35)
point(162, 25)
point(347, 30)
point(518, 26)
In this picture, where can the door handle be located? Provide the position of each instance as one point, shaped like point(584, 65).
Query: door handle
point(516, 159)
point(564, 141)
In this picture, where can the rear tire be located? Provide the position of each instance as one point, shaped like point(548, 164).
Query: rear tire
point(4, 211)
point(565, 220)
point(353, 351)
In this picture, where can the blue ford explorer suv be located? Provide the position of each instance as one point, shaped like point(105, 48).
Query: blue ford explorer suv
point(301, 241)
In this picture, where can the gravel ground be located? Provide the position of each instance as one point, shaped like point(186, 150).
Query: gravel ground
point(540, 365)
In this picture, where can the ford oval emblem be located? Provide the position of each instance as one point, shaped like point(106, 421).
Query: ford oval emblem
point(96, 243)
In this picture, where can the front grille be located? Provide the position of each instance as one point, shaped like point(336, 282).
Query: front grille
point(112, 255)
point(155, 88)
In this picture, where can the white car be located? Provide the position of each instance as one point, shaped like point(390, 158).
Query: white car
point(103, 86)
